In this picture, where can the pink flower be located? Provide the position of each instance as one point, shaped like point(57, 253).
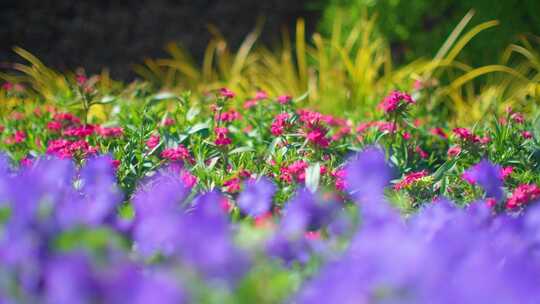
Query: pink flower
point(80, 131)
point(465, 134)
point(153, 141)
point(179, 153)
point(54, 126)
point(226, 93)
point(518, 118)
point(7, 86)
point(423, 154)
point(410, 179)
point(439, 132)
point(339, 175)
point(188, 179)
point(228, 116)
point(522, 195)
point(67, 117)
point(250, 103)
point(115, 163)
point(362, 127)
point(63, 148)
point(232, 185)
point(222, 138)
point(406, 135)
point(394, 100)
point(81, 79)
point(386, 126)
point(16, 138)
point(491, 202)
point(279, 124)
point(454, 151)
point(26, 161)
point(284, 99)
point(506, 171)
point(264, 220)
point(526, 134)
point(260, 95)
point(168, 122)
point(110, 132)
point(16, 116)
point(466, 176)
point(317, 137)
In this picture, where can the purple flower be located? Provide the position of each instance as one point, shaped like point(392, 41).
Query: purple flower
point(488, 176)
point(368, 174)
point(69, 279)
point(206, 242)
point(256, 199)
point(304, 212)
point(289, 250)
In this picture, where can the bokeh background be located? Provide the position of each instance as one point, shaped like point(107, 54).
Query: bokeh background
point(114, 34)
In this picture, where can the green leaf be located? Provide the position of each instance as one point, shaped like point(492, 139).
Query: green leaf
point(313, 175)
point(241, 150)
point(194, 111)
point(302, 97)
point(198, 127)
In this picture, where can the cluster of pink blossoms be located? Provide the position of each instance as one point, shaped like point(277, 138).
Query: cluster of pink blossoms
point(393, 101)
point(16, 138)
point(179, 153)
point(222, 137)
point(226, 93)
point(260, 95)
point(229, 116)
point(410, 179)
point(64, 148)
point(278, 125)
point(153, 141)
point(522, 195)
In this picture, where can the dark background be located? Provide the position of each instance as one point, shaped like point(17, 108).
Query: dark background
point(67, 34)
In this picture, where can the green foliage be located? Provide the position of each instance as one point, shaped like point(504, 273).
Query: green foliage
point(417, 28)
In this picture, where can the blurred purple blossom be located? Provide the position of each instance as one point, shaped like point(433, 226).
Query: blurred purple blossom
point(256, 199)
